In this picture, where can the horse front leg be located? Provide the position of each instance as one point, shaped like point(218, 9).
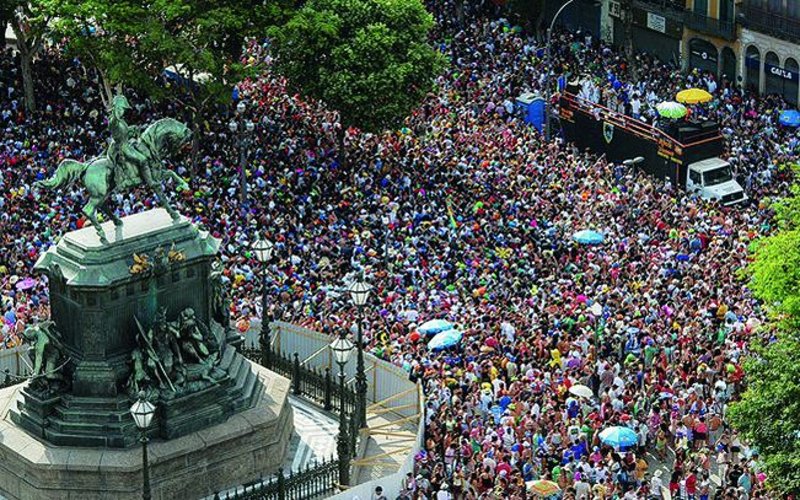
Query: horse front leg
point(90, 211)
point(162, 199)
point(159, 191)
point(106, 209)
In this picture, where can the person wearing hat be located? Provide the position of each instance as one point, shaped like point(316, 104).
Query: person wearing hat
point(121, 150)
point(656, 484)
point(444, 493)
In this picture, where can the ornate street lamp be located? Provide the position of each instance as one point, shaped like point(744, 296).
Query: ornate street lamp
point(548, 66)
point(142, 412)
point(263, 250)
point(359, 293)
point(342, 348)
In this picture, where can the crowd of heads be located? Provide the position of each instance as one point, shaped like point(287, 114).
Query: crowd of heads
point(464, 214)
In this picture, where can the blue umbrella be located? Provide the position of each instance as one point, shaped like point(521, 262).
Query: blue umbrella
point(588, 237)
point(434, 326)
point(789, 118)
point(445, 339)
point(619, 437)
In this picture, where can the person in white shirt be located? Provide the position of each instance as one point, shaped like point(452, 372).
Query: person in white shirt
point(582, 488)
point(443, 494)
point(656, 484)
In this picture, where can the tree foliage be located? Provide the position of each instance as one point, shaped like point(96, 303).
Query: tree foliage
point(31, 23)
point(132, 41)
point(768, 414)
point(370, 60)
point(775, 269)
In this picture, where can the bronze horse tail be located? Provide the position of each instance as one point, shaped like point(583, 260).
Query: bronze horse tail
point(68, 171)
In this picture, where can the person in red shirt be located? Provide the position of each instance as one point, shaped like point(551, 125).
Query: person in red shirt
point(691, 486)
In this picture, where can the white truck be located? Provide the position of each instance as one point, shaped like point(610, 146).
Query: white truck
point(712, 180)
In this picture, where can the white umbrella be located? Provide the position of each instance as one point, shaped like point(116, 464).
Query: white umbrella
point(581, 391)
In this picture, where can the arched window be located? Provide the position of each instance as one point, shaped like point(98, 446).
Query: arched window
point(727, 65)
point(702, 55)
point(752, 67)
point(772, 66)
point(791, 80)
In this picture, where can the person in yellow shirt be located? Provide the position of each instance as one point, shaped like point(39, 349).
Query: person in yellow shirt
point(641, 470)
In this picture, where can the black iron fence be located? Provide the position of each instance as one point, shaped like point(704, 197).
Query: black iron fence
point(7, 380)
point(778, 24)
point(321, 387)
point(711, 26)
point(317, 481)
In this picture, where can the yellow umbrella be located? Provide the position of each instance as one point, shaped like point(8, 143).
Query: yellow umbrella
point(693, 96)
point(543, 487)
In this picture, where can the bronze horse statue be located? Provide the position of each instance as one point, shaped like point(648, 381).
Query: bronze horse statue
point(103, 175)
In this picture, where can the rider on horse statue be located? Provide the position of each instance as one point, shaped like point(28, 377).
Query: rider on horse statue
point(131, 166)
point(132, 159)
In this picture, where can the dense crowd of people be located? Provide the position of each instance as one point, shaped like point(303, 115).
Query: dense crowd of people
point(467, 214)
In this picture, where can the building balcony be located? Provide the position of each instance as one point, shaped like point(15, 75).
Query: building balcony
point(671, 9)
point(770, 23)
point(711, 26)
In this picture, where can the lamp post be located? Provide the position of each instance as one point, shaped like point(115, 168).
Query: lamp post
point(548, 66)
point(142, 412)
point(263, 250)
point(342, 347)
point(359, 293)
point(245, 130)
point(632, 162)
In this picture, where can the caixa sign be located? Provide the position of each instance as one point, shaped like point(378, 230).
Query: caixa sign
point(782, 73)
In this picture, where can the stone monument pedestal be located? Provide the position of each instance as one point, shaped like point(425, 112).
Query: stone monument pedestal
point(241, 449)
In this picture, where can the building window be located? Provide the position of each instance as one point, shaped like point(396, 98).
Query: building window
point(793, 9)
point(726, 10)
point(774, 83)
point(791, 79)
point(752, 67)
point(701, 7)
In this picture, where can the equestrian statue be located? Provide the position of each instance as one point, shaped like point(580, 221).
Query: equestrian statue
point(131, 160)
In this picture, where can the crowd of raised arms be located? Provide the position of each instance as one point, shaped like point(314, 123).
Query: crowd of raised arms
point(466, 214)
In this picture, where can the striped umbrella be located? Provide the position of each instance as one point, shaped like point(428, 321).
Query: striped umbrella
point(543, 487)
point(671, 109)
point(693, 96)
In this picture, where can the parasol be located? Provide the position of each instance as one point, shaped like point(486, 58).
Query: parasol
point(542, 487)
point(693, 96)
point(26, 284)
point(445, 340)
point(671, 109)
point(588, 237)
point(618, 436)
point(434, 326)
point(789, 118)
point(581, 391)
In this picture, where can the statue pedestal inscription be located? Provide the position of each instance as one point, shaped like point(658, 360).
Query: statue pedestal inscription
point(143, 312)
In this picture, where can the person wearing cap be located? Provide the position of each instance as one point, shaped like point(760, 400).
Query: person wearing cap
point(444, 493)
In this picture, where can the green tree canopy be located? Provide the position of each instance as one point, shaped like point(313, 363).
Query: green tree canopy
point(31, 23)
point(370, 60)
point(768, 413)
point(131, 43)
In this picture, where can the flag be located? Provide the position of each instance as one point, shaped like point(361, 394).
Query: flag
point(453, 222)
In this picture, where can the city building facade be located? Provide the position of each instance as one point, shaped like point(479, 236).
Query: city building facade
point(753, 43)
